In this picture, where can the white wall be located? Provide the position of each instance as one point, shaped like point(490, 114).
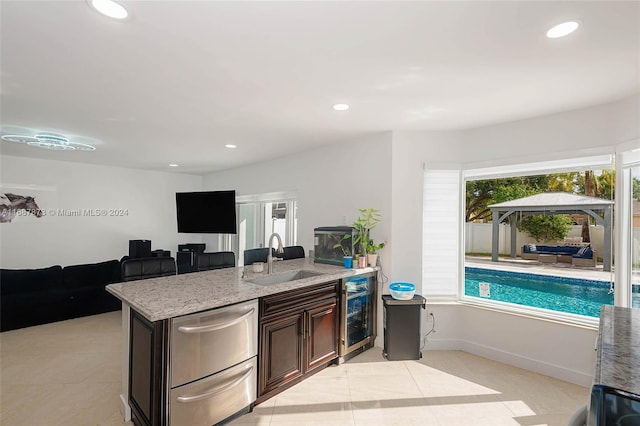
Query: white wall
point(330, 184)
point(148, 197)
point(598, 130)
point(547, 347)
point(560, 350)
point(410, 151)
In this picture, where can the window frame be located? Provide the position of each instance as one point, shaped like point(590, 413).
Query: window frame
point(507, 168)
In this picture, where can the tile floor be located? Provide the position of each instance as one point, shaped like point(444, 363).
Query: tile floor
point(68, 373)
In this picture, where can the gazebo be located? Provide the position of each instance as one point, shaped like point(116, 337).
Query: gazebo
point(551, 203)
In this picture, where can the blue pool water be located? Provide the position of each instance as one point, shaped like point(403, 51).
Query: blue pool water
point(572, 295)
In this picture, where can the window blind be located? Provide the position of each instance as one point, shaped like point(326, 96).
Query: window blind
point(441, 232)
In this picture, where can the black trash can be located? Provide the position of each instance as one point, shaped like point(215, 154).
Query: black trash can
point(402, 327)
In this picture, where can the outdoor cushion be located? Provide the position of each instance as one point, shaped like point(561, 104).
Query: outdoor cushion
point(584, 253)
point(529, 248)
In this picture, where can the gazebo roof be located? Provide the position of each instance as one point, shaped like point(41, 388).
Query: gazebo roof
point(554, 200)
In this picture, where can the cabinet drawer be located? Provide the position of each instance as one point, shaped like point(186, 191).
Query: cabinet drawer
point(210, 400)
point(297, 299)
point(208, 342)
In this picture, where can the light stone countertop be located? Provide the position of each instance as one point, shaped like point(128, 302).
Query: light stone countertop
point(168, 297)
point(618, 360)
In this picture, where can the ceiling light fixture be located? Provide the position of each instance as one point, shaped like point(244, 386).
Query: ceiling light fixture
point(341, 107)
point(230, 146)
point(50, 141)
point(563, 29)
point(109, 8)
point(173, 165)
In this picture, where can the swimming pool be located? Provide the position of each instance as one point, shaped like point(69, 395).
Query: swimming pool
point(571, 295)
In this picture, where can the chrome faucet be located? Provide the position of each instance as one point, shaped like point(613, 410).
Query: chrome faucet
point(279, 250)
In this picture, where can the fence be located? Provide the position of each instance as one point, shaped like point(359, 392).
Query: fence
point(478, 238)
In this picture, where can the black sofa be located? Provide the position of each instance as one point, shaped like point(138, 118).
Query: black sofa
point(38, 296)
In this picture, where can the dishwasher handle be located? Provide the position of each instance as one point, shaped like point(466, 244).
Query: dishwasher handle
point(216, 325)
point(217, 391)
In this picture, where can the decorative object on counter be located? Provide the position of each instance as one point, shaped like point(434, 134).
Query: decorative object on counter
point(363, 225)
point(329, 242)
point(402, 290)
point(344, 244)
point(372, 252)
point(258, 266)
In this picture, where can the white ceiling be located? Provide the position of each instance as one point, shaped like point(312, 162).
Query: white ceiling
point(178, 80)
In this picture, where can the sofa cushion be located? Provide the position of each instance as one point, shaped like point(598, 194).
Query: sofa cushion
point(91, 275)
point(21, 281)
point(530, 248)
point(584, 253)
point(569, 249)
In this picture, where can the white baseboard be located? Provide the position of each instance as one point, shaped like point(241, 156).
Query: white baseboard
point(125, 410)
point(555, 371)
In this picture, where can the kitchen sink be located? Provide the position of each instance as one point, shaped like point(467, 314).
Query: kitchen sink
point(287, 276)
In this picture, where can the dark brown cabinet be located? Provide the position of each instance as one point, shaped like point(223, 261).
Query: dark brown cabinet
point(148, 374)
point(299, 336)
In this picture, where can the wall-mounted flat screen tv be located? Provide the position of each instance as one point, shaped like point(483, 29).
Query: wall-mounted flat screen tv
point(206, 212)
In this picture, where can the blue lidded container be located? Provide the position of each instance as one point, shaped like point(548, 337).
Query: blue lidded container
point(402, 291)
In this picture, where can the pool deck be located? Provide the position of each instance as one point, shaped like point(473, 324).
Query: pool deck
point(535, 267)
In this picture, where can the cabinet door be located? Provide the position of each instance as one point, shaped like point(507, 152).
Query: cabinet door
point(280, 351)
point(321, 327)
point(147, 370)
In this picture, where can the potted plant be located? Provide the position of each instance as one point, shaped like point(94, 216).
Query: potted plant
point(363, 225)
point(372, 252)
point(344, 245)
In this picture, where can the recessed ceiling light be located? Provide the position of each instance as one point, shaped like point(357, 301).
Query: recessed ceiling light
point(563, 29)
point(341, 107)
point(230, 146)
point(109, 8)
point(173, 165)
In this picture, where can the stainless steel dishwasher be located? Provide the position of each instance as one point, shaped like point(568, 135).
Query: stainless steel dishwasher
point(213, 364)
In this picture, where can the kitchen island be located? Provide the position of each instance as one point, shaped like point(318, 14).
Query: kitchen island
point(298, 333)
point(615, 395)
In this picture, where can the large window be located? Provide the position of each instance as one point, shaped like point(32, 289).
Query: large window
point(541, 241)
point(628, 220)
point(546, 256)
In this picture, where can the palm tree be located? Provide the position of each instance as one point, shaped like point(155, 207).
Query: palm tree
point(591, 187)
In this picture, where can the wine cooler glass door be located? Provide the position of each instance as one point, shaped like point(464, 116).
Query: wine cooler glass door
point(358, 326)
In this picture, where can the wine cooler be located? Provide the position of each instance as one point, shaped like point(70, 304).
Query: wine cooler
point(358, 325)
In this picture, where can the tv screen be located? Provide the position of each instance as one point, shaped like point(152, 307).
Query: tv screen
point(209, 212)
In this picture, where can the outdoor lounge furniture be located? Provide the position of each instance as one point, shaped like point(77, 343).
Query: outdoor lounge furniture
point(565, 258)
point(576, 255)
point(531, 251)
point(547, 258)
point(586, 256)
